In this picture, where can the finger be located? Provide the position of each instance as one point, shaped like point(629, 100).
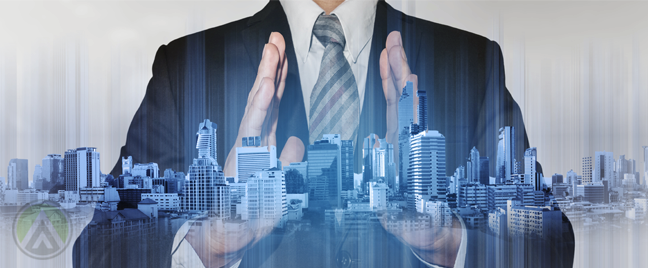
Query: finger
point(390, 91)
point(278, 40)
point(252, 123)
point(292, 152)
point(397, 59)
point(267, 69)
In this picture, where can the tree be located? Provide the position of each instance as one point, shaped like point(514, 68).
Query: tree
point(294, 182)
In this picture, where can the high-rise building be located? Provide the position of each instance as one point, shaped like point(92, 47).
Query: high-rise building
point(572, 179)
point(593, 192)
point(505, 154)
point(53, 169)
point(37, 178)
point(253, 157)
point(384, 167)
point(427, 171)
point(265, 199)
point(625, 166)
point(325, 170)
point(422, 109)
point(347, 163)
point(531, 175)
point(207, 189)
point(82, 169)
point(17, 177)
point(475, 165)
point(603, 166)
point(368, 156)
point(484, 168)
point(587, 170)
point(207, 140)
point(406, 108)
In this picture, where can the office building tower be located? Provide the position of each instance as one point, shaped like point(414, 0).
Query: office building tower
point(587, 170)
point(384, 167)
point(625, 166)
point(207, 140)
point(37, 178)
point(427, 171)
point(406, 108)
point(17, 177)
point(475, 166)
point(82, 169)
point(505, 154)
point(53, 169)
point(422, 109)
point(403, 159)
point(253, 157)
point(265, 199)
point(127, 165)
point(378, 196)
point(368, 156)
point(556, 178)
point(603, 166)
point(206, 189)
point(347, 163)
point(531, 175)
point(484, 170)
point(150, 170)
point(325, 170)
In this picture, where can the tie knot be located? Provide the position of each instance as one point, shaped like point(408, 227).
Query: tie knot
point(328, 29)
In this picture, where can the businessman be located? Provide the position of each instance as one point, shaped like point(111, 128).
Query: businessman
point(299, 69)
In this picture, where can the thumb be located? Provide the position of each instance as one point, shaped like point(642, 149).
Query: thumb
point(292, 152)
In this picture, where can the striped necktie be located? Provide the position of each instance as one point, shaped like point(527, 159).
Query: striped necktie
point(334, 101)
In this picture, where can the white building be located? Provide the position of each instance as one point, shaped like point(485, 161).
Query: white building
point(378, 196)
point(535, 221)
point(603, 167)
point(166, 202)
point(150, 170)
point(497, 221)
point(266, 199)
point(16, 197)
point(251, 157)
point(82, 169)
point(440, 213)
point(427, 170)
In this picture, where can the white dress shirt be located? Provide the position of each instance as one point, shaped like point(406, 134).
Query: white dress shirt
point(357, 19)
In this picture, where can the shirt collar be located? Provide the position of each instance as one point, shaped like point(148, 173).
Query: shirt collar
point(356, 16)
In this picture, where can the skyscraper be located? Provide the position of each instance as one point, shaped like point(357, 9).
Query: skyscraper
point(127, 165)
point(587, 170)
point(484, 168)
point(347, 164)
point(422, 109)
point(405, 108)
point(82, 169)
point(53, 169)
point(531, 175)
point(427, 170)
point(206, 140)
point(368, 155)
point(206, 189)
point(17, 177)
point(325, 170)
point(505, 154)
point(474, 165)
point(37, 178)
point(383, 163)
point(603, 166)
point(253, 157)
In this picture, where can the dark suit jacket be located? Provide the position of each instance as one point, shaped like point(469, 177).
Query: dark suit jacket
point(209, 74)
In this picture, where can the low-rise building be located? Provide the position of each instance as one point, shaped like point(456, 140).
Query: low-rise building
point(166, 202)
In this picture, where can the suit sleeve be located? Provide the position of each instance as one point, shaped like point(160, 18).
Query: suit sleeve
point(154, 131)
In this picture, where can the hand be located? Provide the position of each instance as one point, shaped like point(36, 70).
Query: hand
point(262, 109)
point(215, 244)
point(395, 72)
point(436, 245)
